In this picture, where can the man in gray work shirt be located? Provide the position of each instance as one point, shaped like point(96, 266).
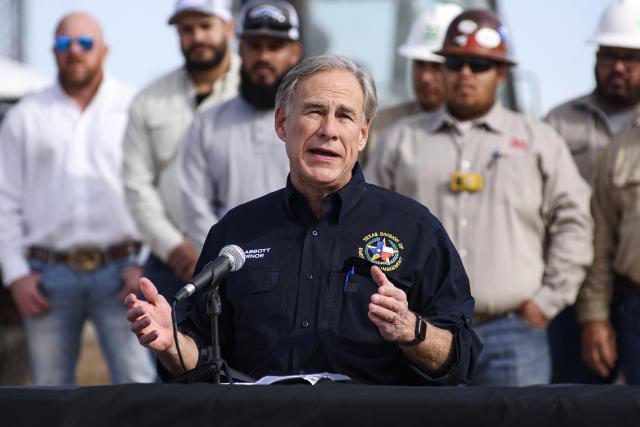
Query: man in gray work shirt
point(231, 152)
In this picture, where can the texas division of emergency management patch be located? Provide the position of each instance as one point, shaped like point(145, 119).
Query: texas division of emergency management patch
point(382, 249)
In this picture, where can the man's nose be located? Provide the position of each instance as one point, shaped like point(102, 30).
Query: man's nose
point(329, 127)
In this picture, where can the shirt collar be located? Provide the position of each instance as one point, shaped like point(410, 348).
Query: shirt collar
point(495, 120)
point(334, 206)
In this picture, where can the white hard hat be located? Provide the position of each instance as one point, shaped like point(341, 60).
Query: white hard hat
point(619, 25)
point(427, 32)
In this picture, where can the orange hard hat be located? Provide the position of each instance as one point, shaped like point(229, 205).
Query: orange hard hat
point(476, 32)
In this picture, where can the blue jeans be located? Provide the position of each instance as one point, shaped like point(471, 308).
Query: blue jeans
point(514, 354)
point(54, 338)
point(167, 283)
point(629, 334)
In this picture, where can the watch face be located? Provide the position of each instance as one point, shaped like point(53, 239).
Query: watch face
point(421, 329)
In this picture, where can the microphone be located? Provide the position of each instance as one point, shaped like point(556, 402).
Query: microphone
point(231, 258)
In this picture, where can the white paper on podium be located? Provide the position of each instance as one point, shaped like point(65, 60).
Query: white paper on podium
point(310, 378)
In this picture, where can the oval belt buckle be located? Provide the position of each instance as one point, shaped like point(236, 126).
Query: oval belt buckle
point(85, 260)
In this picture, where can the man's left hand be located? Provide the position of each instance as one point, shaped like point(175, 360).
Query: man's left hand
point(533, 315)
point(130, 282)
point(389, 310)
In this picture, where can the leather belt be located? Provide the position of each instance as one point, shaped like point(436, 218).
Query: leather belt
point(88, 258)
point(484, 317)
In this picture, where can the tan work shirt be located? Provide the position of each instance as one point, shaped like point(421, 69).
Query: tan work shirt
point(382, 121)
point(585, 127)
point(616, 211)
point(527, 233)
point(158, 119)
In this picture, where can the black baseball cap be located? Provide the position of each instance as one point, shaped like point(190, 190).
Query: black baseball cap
point(269, 18)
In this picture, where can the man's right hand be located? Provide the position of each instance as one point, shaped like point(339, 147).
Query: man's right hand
point(27, 296)
point(151, 322)
point(151, 319)
point(183, 259)
point(599, 347)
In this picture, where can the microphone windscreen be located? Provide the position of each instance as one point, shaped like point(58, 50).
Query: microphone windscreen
point(235, 254)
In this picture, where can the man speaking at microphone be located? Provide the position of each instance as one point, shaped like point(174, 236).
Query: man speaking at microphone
point(340, 276)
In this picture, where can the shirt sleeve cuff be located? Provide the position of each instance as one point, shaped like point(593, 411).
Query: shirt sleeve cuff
point(548, 302)
point(13, 268)
point(169, 241)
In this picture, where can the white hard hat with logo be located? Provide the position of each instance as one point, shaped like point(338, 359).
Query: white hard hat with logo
point(619, 25)
point(427, 32)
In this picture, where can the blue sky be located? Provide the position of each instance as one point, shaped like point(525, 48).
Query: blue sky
point(549, 41)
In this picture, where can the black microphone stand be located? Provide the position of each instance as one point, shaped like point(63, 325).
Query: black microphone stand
point(214, 363)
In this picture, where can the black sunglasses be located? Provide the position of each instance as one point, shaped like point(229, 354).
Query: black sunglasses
point(477, 65)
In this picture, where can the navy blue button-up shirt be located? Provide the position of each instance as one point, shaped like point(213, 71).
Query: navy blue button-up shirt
point(300, 302)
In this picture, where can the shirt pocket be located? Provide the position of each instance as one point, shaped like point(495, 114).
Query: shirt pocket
point(517, 180)
point(626, 181)
point(166, 137)
point(259, 307)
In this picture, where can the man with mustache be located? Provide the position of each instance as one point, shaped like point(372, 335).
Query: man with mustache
point(608, 117)
point(232, 153)
point(508, 193)
point(158, 119)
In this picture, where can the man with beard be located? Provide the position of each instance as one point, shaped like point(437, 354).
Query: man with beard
point(232, 153)
point(425, 37)
point(68, 245)
point(589, 124)
point(158, 118)
point(508, 193)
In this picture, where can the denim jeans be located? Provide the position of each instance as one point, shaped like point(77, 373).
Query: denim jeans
point(514, 354)
point(629, 335)
point(54, 338)
point(167, 283)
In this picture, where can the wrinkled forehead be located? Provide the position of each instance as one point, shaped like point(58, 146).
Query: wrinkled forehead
point(336, 86)
point(79, 24)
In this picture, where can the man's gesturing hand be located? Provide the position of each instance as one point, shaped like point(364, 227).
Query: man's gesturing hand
point(151, 319)
point(389, 310)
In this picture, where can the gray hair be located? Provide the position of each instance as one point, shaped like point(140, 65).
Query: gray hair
point(315, 64)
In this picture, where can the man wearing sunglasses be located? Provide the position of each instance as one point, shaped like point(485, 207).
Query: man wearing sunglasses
point(425, 37)
point(508, 192)
point(68, 244)
point(232, 153)
point(158, 119)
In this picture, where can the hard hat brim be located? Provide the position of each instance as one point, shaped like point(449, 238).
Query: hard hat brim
point(421, 53)
point(462, 51)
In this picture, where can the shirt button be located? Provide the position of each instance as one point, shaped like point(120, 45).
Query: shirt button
point(466, 164)
point(314, 232)
point(309, 276)
point(464, 222)
point(305, 324)
point(463, 252)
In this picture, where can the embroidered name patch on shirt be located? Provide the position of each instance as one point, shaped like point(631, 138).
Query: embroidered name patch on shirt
point(256, 253)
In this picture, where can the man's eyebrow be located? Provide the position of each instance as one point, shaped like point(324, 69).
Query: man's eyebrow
point(347, 109)
point(312, 105)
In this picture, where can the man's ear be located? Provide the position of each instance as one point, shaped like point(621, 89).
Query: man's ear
point(280, 122)
point(364, 135)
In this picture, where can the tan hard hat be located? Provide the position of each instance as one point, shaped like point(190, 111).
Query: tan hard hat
point(476, 32)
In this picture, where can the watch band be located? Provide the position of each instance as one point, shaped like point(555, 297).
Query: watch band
point(420, 332)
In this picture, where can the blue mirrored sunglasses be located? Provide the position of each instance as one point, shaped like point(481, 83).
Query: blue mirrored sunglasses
point(63, 43)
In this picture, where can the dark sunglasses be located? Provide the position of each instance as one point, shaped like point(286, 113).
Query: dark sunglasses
point(477, 65)
point(63, 43)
